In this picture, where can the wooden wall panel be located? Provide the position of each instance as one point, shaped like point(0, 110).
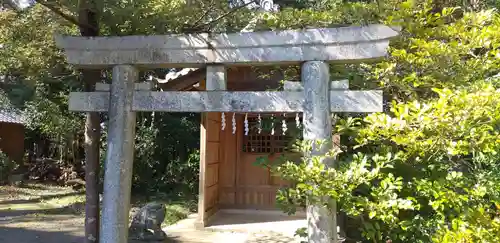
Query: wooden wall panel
point(211, 197)
point(227, 168)
point(250, 173)
point(254, 198)
point(228, 163)
point(12, 140)
point(212, 175)
point(214, 116)
point(213, 131)
point(212, 153)
point(210, 158)
point(227, 196)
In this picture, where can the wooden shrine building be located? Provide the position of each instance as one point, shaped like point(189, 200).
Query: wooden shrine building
point(12, 134)
point(228, 178)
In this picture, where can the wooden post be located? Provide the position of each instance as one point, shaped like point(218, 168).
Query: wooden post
point(216, 80)
point(119, 156)
point(88, 16)
point(92, 163)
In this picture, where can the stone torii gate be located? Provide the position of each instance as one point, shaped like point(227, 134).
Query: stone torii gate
point(312, 48)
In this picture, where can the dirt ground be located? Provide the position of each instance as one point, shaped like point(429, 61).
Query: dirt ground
point(40, 214)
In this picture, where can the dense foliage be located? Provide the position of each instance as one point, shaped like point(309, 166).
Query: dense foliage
point(427, 169)
point(36, 79)
point(427, 172)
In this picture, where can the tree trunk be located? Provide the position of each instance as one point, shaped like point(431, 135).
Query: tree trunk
point(92, 134)
point(88, 13)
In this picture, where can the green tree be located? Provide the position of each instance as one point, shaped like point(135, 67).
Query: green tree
point(426, 170)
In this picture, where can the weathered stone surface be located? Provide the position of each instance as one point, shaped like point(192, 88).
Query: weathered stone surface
point(119, 156)
point(148, 218)
point(340, 35)
point(318, 128)
point(223, 101)
point(216, 77)
point(317, 120)
point(138, 86)
point(291, 46)
point(334, 85)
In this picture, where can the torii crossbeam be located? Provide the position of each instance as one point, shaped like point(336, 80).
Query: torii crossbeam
point(227, 101)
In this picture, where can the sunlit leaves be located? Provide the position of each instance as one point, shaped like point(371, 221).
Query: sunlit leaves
point(438, 49)
point(441, 181)
point(457, 123)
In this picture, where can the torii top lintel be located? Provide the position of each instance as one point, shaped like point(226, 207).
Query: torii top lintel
point(344, 44)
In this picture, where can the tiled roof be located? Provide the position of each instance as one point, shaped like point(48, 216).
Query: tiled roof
point(175, 75)
point(11, 116)
point(266, 5)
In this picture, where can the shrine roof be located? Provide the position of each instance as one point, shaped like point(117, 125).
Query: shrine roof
point(11, 116)
point(174, 75)
point(184, 79)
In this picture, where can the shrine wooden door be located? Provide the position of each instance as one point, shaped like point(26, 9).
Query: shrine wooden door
point(249, 186)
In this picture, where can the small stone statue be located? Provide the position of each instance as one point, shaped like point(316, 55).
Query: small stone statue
point(146, 223)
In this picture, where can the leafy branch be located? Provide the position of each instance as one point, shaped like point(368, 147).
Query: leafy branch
point(199, 27)
point(57, 10)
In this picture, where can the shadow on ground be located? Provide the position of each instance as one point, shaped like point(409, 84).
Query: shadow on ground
point(269, 237)
point(35, 213)
point(13, 216)
point(40, 198)
point(21, 235)
point(168, 240)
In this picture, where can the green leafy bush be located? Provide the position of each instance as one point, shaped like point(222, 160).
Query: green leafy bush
point(166, 157)
point(427, 170)
point(447, 48)
point(428, 173)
